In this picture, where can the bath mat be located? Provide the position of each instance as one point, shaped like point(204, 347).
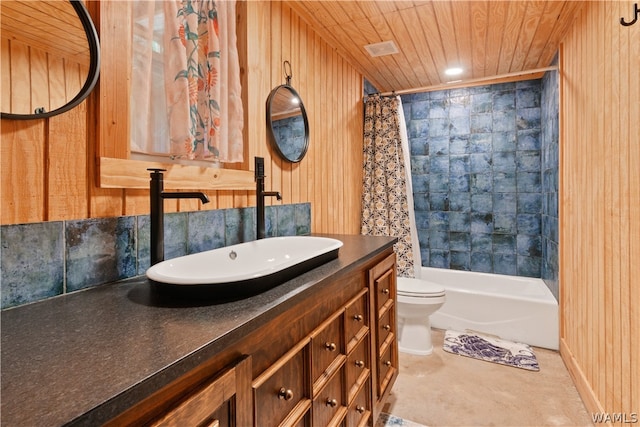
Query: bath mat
point(388, 420)
point(491, 349)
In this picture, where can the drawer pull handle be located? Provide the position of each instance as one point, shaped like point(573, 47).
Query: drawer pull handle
point(332, 402)
point(387, 327)
point(358, 317)
point(360, 363)
point(385, 291)
point(387, 363)
point(331, 346)
point(285, 394)
point(360, 409)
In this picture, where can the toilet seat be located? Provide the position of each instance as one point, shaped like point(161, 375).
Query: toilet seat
point(418, 288)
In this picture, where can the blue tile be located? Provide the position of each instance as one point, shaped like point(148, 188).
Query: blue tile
point(102, 250)
point(418, 129)
point(481, 103)
point(421, 202)
point(438, 239)
point(480, 182)
point(175, 235)
point(481, 262)
point(439, 221)
point(460, 202)
point(419, 146)
point(302, 218)
point(530, 246)
point(439, 182)
point(438, 109)
point(234, 226)
point(460, 261)
point(480, 162)
point(481, 123)
point(422, 220)
point(528, 97)
point(529, 203)
point(482, 202)
point(504, 264)
point(504, 244)
point(481, 242)
point(504, 161)
point(286, 221)
point(419, 110)
point(438, 258)
point(420, 165)
point(460, 222)
point(420, 183)
point(504, 182)
point(439, 164)
point(206, 230)
point(529, 266)
point(529, 182)
point(438, 127)
point(459, 183)
point(459, 107)
point(143, 239)
point(504, 101)
point(504, 141)
point(481, 222)
point(504, 121)
point(439, 201)
point(459, 164)
point(528, 161)
point(460, 95)
point(480, 143)
point(528, 224)
point(459, 241)
point(505, 223)
point(439, 146)
point(528, 139)
point(528, 118)
point(460, 126)
point(32, 262)
point(459, 144)
point(505, 202)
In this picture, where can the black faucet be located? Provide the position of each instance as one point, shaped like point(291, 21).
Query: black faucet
point(157, 211)
point(260, 195)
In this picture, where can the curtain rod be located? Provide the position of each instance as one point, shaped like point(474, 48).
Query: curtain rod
point(463, 83)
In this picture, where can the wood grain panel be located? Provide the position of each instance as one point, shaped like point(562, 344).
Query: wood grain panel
point(600, 208)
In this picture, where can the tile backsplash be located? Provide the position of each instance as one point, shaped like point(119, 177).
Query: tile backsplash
point(42, 260)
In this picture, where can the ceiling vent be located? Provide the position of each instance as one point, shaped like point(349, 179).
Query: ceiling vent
point(382, 48)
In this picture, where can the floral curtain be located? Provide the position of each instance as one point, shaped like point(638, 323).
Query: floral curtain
point(385, 208)
point(201, 93)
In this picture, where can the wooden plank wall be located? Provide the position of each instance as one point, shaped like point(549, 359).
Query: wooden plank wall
point(600, 208)
point(49, 169)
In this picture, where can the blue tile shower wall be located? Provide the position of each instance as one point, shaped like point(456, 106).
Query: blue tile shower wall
point(42, 260)
point(550, 161)
point(476, 175)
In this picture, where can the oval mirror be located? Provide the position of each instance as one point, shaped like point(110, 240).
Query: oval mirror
point(50, 57)
point(287, 123)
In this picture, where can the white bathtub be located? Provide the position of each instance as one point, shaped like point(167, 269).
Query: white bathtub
point(515, 308)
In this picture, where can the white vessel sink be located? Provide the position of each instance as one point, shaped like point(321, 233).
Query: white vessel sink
point(243, 269)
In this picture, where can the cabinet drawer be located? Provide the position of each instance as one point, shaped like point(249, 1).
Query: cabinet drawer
point(280, 389)
point(360, 409)
point(386, 368)
point(329, 407)
point(356, 320)
point(384, 287)
point(326, 348)
point(385, 327)
point(357, 368)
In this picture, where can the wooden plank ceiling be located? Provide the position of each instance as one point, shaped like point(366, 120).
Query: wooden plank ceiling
point(490, 40)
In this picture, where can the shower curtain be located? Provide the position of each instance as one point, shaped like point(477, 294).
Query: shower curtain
point(387, 199)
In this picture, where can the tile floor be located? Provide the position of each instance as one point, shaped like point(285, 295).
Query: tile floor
point(445, 389)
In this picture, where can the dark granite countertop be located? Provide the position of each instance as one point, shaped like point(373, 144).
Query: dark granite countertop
point(84, 357)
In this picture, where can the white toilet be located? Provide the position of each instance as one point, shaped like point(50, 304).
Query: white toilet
point(417, 300)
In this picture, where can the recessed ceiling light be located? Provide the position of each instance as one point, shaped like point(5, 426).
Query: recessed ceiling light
point(454, 71)
point(382, 48)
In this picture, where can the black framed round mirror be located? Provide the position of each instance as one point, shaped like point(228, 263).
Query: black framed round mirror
point(287, 123)
point(54, 57)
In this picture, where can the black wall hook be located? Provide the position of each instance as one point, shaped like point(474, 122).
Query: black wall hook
point(635, 18)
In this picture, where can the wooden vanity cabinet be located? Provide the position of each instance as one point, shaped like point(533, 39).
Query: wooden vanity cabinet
point(328, 360)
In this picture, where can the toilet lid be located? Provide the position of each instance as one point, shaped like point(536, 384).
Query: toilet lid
point(419, 288)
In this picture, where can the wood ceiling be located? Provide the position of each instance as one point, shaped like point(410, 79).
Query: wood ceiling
point(491, 40)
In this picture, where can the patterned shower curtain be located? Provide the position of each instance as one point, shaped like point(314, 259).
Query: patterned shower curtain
point(385, 209)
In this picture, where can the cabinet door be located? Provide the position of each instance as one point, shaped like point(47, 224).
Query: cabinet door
point(223, 401)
